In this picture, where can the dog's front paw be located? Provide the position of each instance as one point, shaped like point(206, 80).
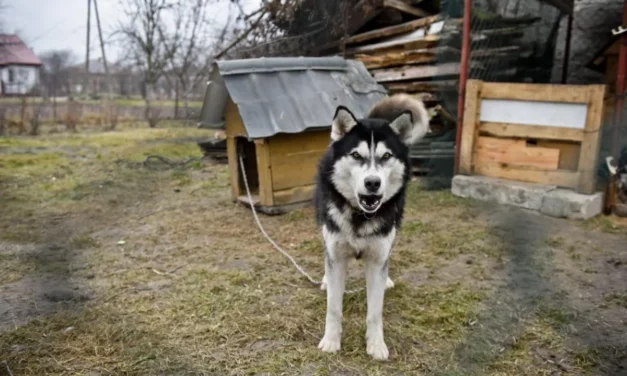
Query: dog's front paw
point(378, 350)
point(330, 344)
point(389, 283)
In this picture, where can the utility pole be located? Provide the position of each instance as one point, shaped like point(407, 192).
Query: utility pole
point(86, 78)
point(102, 47)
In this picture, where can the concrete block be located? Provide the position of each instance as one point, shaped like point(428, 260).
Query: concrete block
point(547, 199)
point(524, 195)
point(564, 203)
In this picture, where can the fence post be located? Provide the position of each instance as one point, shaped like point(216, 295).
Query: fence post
point(463, 77)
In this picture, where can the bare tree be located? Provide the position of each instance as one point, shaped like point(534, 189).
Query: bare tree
point(147, 34)
point(56, 74)
point(190, 61)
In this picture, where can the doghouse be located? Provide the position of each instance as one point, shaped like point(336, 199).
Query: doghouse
point(276, 113)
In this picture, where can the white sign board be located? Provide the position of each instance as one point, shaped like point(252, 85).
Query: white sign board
point(550, 114)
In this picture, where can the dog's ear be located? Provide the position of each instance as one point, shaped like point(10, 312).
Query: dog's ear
point(343, 122)
point(403, 125)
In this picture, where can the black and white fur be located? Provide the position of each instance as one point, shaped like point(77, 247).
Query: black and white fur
point(359, 199)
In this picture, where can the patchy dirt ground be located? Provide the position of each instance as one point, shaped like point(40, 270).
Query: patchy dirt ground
point(111, 267)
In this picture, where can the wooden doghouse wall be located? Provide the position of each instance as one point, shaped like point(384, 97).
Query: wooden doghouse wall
point(293, 163)
point(235, 132)
point(547, 134)
point(286, 163)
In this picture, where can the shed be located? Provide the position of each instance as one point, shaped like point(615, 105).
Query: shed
point(277, 113)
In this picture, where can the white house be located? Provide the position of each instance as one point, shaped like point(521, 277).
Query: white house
point(19, 66)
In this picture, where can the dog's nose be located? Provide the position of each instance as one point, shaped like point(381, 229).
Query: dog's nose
point(372, 183)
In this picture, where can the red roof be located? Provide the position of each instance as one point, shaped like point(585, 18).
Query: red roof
point(14, 52)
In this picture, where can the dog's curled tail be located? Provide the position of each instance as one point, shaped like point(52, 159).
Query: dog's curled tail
point(389, 108)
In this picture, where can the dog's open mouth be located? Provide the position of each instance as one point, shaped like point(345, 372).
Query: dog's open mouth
point(370, 203)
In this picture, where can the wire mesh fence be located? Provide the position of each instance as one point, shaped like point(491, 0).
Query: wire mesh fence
point(545, 42)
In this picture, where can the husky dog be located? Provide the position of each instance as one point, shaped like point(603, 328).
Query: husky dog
point(359, 199)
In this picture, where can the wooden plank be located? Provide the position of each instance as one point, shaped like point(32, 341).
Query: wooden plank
point(392, 30)
point(406, 8)
point(295, 158)
point(515, 153)
point(420, 56)
point(569, 153)
point(397, 58)
point(399, 45)
point(293, 195)
point(286, 144)
point(589, 156)
point(233, 120)
point(415, 72)
point(469, 128)
point(264, 172)
point(296, 170)
point(231, 152)
point(531, 131)
point(383, 32)
point(564, 179)
point(426, 86)
point(537, 92)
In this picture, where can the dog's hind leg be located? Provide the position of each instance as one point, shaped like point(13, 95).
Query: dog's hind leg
point(389, 283)
point(335, 273)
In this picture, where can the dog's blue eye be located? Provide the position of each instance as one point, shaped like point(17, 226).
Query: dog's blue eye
point(386, 156)
point(356, 155)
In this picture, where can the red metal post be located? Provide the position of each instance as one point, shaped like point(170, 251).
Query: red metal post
point(463, 77)
point(620, 88)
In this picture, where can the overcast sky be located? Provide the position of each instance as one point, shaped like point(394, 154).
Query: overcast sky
point(62, 24)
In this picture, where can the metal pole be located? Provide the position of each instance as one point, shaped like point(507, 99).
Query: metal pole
point(86, 79)
point(463, 77)
point(620, 89)
point(102, 47)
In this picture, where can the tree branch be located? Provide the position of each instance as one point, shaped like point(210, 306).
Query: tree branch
point(241, 37)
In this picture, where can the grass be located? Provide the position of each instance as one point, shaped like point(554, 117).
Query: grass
point(618, 299)
point(154, 270)
point(610, 225)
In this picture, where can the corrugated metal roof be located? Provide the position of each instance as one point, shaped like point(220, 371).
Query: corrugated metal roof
point(288, 95)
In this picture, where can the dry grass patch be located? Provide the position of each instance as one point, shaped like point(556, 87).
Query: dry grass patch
point(116, 267)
